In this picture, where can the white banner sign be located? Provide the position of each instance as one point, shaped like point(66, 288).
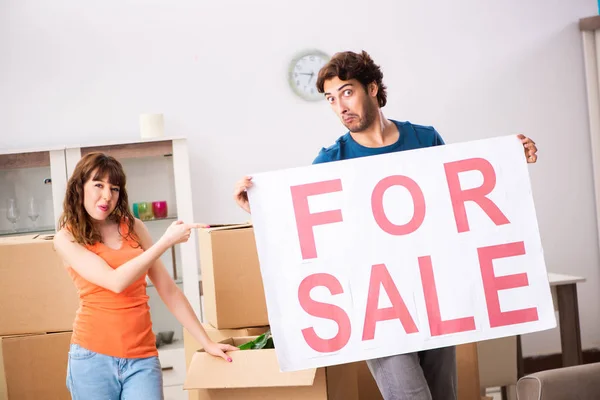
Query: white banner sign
point(402, 252)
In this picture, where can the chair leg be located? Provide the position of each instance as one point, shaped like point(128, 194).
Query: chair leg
point(504, 392)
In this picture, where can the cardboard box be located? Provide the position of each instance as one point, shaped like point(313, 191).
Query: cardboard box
point(254, 374)
point(36, 292)
point(34, 367)
point(234, 296)
point(367, 387)
point(467, 372)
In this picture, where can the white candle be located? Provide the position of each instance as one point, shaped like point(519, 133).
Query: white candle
point(151, 126)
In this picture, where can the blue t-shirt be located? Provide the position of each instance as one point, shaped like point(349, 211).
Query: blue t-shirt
point(412, 136)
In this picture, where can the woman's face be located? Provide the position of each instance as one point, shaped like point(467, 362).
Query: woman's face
point(100, 198)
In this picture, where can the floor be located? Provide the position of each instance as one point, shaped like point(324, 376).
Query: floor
point(495, 394)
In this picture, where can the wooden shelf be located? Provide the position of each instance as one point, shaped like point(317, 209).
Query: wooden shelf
point(25, 160)
point(589, 23)
point(133, 150)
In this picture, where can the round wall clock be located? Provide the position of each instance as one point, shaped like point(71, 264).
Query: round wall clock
point(303, 73)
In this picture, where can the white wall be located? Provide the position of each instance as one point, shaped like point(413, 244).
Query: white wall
point(471, 68)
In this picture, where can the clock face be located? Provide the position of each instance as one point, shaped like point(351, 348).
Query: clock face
point(303, 74)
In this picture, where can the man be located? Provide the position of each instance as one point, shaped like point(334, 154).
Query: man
point(353, 85)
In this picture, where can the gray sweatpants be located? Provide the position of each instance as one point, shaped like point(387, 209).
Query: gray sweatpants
point(426, 375)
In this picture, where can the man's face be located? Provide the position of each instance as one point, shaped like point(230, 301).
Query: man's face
point(356, 108)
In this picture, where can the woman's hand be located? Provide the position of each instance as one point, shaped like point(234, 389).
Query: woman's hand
point(178, 232)
point(219, 349)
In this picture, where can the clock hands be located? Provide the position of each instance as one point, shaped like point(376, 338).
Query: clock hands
point(305, 73)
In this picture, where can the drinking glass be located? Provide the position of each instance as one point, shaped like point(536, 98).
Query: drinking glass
point(12, 212)
point(33, 211)
point(159, 208)
point(145, 210)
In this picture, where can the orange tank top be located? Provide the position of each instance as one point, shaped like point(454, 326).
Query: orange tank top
point(112, 324)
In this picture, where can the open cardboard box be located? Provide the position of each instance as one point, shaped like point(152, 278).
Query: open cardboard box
point(232, 285)
point(255, 374)
point(191, 346)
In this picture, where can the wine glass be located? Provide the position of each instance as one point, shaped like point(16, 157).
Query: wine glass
point(12, 212)
point(33, 211)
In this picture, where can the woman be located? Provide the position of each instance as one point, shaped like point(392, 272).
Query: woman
point(108, 254)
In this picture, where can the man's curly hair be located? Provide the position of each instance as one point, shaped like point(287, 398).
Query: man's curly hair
point(349, 65)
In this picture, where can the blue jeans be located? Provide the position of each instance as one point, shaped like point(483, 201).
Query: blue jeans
point(92, 376)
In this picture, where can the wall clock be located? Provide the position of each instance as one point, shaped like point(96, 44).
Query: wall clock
point(303, 72)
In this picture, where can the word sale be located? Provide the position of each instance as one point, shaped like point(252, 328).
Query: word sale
point(380, 276)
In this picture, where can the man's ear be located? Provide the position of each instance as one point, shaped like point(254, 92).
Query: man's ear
point(373, 89)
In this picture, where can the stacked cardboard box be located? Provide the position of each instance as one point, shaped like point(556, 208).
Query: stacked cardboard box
point(37, 306)
point(233, 294)
point(235, 312)
point(231, 282)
